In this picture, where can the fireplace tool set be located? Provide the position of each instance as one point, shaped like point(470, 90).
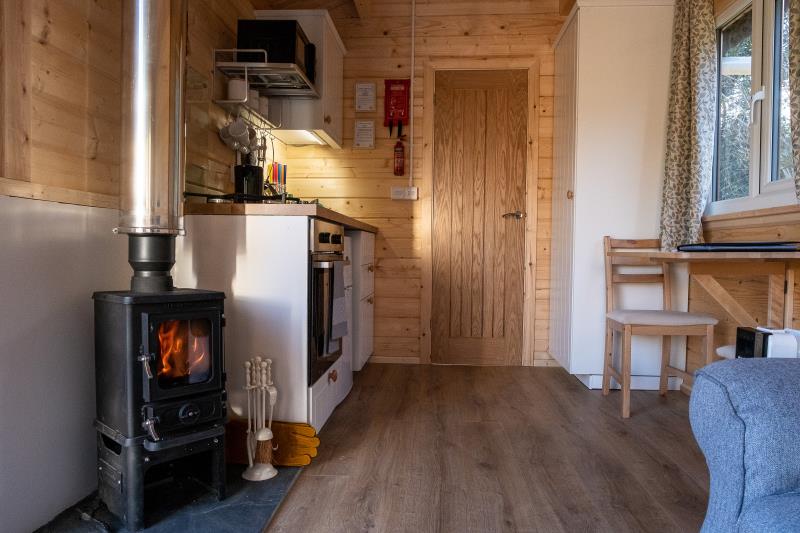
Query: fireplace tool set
point(260, 390)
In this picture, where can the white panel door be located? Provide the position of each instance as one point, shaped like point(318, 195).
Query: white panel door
point(563, 189)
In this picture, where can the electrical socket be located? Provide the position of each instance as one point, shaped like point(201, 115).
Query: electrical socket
point(405, 193)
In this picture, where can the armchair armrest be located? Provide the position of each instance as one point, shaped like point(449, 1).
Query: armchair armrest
point(745, 415)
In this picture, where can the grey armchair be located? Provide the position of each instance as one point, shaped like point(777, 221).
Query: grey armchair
point(745, 415)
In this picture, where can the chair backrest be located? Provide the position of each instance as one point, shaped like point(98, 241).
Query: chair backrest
point(659, 274)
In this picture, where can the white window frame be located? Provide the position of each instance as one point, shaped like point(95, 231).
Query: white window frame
point(764, 193)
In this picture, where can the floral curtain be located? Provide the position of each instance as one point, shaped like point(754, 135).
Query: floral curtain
point(794, 87)
point(690, 123)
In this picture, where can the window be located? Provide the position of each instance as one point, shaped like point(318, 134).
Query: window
point(733, 126)
point(753, 162)
point(783, 167)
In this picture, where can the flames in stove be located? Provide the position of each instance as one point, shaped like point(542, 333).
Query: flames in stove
point(184, 351)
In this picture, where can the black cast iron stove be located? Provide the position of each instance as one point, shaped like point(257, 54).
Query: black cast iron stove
point(161, 403)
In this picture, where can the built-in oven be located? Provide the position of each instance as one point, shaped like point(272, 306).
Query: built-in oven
point(326, 256)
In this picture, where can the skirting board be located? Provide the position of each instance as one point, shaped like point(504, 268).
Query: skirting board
point(595, 381)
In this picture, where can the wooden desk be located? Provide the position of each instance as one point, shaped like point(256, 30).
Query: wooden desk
point(778, 266)
point(738, 288)
point(705, 257)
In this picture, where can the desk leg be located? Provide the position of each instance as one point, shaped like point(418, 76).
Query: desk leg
point(788, 298)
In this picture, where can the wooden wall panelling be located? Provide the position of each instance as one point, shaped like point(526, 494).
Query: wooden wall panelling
point(722, 5)
point(76, 99)
point(362, 7)
point(15, 90)
point(565, 6)
point(752, 307)
point(61, 99)
point(63, 114)
point(357, 181)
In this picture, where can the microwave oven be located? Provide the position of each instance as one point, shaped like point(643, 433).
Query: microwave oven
point(284, 40)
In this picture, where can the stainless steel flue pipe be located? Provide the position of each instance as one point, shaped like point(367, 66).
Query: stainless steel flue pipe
point(153, 132)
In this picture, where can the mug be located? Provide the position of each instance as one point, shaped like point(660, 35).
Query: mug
point(236, 135)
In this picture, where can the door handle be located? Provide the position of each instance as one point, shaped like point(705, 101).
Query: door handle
point(515, 214)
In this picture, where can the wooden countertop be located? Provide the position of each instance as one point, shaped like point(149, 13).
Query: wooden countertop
point(300, 210)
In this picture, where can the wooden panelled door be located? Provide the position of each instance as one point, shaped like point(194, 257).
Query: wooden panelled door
point(480, 134)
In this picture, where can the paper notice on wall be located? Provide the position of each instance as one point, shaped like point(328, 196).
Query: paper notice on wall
point(365, 97)
point(364, 136)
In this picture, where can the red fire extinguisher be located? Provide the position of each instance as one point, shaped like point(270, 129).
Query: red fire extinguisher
point(399, 159)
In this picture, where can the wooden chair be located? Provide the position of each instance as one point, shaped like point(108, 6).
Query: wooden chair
point(663, 322)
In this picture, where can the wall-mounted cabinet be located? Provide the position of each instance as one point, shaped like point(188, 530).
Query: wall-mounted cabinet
point(312, 120)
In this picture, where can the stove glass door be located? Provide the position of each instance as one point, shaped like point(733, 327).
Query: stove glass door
point(183, 352)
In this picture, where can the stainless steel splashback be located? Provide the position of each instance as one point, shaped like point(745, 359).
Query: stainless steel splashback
point(153, 152)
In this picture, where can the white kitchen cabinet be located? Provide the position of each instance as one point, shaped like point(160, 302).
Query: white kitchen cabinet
point(363, 261)
point(610, 109)
point(365, 332)
point(311, 120)
point(346, 377)
point(327, 393)
point(348, 263)
point(266, 307)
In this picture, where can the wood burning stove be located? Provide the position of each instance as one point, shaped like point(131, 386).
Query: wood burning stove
point(161, 402)
point(160, 393)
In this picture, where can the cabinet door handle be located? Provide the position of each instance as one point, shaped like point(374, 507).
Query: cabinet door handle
point(370, 301)
point(371, 268)
point(570, 195)
point(328, 119)
point(333, 375)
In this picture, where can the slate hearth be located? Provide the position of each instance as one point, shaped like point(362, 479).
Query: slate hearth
point(249, 507)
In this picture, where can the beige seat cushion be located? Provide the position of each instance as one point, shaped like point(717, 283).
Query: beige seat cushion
point(661, 318)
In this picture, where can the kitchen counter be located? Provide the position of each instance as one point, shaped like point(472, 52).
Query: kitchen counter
point(301, 210)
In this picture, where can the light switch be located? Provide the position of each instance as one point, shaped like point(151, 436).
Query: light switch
point(405, 193)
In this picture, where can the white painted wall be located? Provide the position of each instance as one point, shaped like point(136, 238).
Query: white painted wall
point(52, 258)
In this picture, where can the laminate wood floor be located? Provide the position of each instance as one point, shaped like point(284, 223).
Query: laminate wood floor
point(453, 448)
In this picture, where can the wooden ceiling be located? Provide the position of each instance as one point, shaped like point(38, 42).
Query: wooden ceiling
point(337, 8)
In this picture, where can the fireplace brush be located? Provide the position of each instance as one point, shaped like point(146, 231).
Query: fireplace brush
point(260, 393)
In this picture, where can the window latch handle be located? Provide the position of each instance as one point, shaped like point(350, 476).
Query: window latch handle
point(758, 96)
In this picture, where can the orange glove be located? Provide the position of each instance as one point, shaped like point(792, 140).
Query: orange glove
point(293, 444)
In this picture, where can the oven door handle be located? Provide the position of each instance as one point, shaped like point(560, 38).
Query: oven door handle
point(323, 264)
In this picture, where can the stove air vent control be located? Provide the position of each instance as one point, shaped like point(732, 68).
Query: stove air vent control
point(188, 413)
